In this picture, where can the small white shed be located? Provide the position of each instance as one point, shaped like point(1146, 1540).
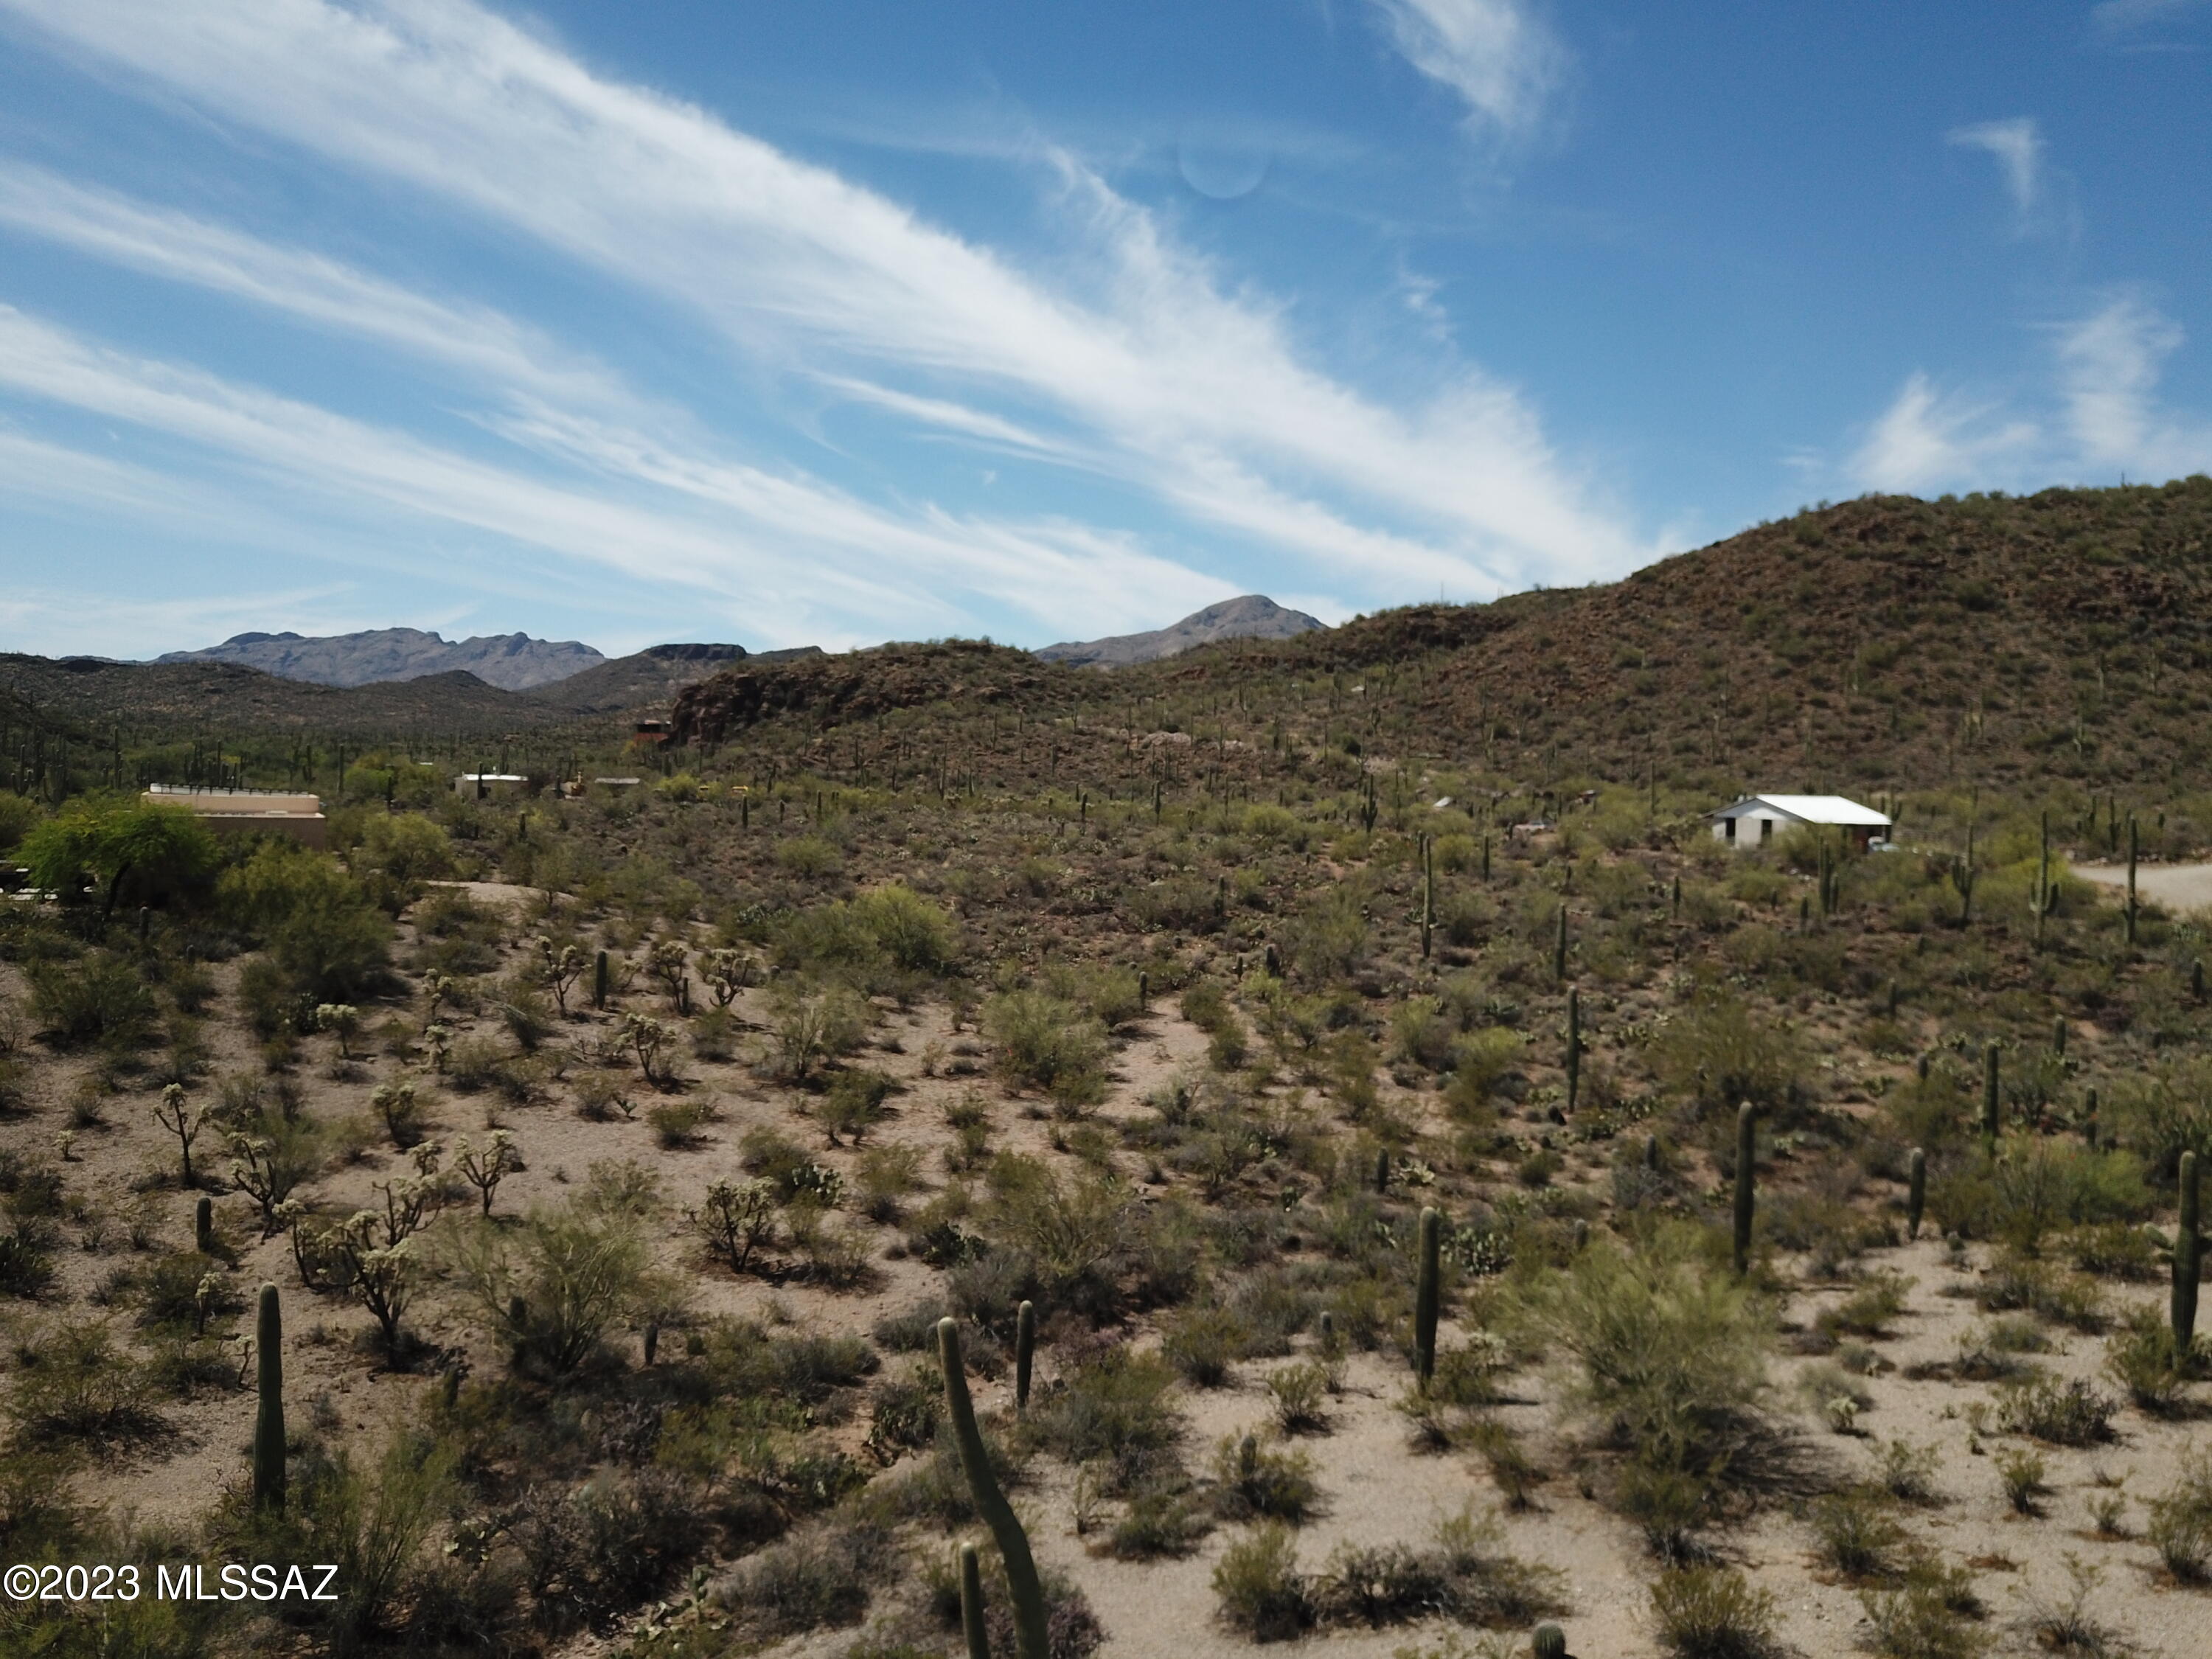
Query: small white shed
point(1753, 821)
point(483, 786)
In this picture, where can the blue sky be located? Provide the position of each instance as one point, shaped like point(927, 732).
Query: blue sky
point(845, 321)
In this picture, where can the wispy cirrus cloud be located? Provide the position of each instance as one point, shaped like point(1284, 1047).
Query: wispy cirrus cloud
point(1132, 356)
point(792, 553)
point(1501, 59)
point(2016, 146)
point(2094, 416)
point(2127, 21)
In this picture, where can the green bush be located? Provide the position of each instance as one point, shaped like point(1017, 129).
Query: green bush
point(74, 1382)
point(1043, 1042)
point(1260, 1587)
point(2143, 1357)
point(552, 1288)
point(1254, 1482)
point(2070, 1413)
point(1713, 1613)
point(1719, 1053)
point(98, 999)
point(2180, 1527)
point(1117, 1408)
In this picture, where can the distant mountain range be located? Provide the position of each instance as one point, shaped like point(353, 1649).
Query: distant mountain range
point(1253, 616)
point(513, 662)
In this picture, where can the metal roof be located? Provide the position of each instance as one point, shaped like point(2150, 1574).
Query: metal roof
point(1809, 809)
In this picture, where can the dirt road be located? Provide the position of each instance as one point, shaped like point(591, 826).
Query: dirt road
point(2177, 886)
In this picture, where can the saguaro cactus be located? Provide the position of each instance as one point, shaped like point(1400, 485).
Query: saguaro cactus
point(971, 1604)
point(2058, 1036)
point(1025, 1352)
point(1992, 1119)
point(1560, 949)
point(599, 981)
point(1428, 895)
point(1425, 1297)
point(269, 1418)
point(1549, 1642)
point(1747, 1141)
point(1916, 1193)
point(204, 1225)
point(1027, 1594)
point(1574, 1045)
point(2131, 878)
point(2043, 885)
point(2187, 1244)
point(1383, 1169)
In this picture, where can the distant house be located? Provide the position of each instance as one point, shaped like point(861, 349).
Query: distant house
point(1753, 820)
point(249, 811)
point(482, 786)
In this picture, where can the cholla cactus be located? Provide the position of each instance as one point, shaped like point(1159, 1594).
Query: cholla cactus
point(727, 971)
point(646, 1037)
point(560, 967)
point(181, 1119)
point(441, 1038)
point(1842, 1414)
point(485, 1169)
point(342, 1020)
point(396, 1104)
point(670, 963)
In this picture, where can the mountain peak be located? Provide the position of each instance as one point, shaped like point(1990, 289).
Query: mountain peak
point(1247, 616)
point(513, 662)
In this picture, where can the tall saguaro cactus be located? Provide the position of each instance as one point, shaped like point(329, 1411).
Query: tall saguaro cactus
point(1021, 1583)
point(599, 981)
point(971, 1604)
point(1425, 1297)
point(1992, 1116)
point(1560, 949)
point(1574, 1045)
point(2043, 882)
point(269, 1418)
point(2131, 878)
point(1916, 1193)
point(1428, 894)
point(2188, 1242)
point(1746, 1144)
point(204, 1225)
point(1025, 1352)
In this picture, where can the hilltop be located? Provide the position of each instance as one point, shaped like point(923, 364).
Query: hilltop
point(1253, 615)
point(513, 662)
point(653, 675)
point(1883, 641)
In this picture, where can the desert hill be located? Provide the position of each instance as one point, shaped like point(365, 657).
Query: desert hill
point(1881, 640)
point(1253, 615)
point(653, 675)
point(513, 662)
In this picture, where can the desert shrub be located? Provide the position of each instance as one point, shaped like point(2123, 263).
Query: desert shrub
point(1043, 1042)
point(676, 1123)
point(1254, 1482)
point(2039, 1185)
point(1166, 1519)
point(552, 1288)
point(1856, 1534)
point(1670, 1354)
point(1300, 1394)
point(2143, 1357)
point(854, 1103)
point(2113, 1249)
point(817, 1579)
point(1719, 1053)
point(913, 931)
point(1712, 1613)
point(2180, 1526)
point(74, 1383)
point(1481, 1061)
point(1202, 1343)
point(1921, 1619)
point(1116, 1406)
point(321, 928)
point(1330, 938)
point(1261, 1589)
point(1072, 1230)
point(2070, 1413)
point(1907, 1471)
point(2021, 1473)
point(98, 997)
point(884, 1175)
point(810, 856)
point(905, 1413)
point(2016, 1281)
point(812, 1024)
point(406, 847)
point(26, 1262)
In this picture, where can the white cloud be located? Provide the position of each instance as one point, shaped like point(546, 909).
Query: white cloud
point(794, 552)
point(65, 623)
point(2109, 365)
point(1496, 54)
point(2017, 146)
point(1925, 440)
point(2096, 417)
point(1140, 361)
point(2116, 18)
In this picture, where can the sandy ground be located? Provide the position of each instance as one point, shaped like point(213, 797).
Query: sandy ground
point(1378, 1489)
point(2181, 887)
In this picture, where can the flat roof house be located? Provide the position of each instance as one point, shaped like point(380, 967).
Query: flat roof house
point(1753, 820)
point(483, 786)
point(249, 811)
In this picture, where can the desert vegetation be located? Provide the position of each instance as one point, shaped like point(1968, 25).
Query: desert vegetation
point(1393, 1179)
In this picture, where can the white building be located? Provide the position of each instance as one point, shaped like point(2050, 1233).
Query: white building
point(1756, 819)
point(248, 812)
point(483, 786)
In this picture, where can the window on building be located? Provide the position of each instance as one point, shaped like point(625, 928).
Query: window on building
point(1766, 828)
point(1727, 830)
